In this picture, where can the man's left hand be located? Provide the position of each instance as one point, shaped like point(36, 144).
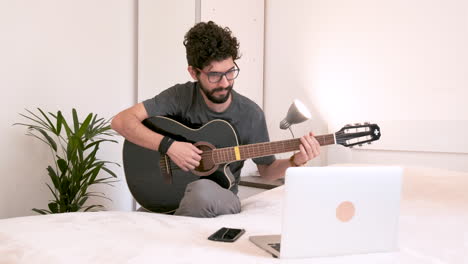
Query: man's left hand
point(309, 149)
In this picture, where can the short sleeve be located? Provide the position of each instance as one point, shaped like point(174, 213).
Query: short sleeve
point(167, 103)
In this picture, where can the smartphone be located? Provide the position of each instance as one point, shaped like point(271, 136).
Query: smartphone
point(227, 234)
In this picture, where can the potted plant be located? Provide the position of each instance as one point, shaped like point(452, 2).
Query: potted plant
point(74, 147)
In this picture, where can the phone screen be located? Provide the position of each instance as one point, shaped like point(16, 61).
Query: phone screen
point(227, 234)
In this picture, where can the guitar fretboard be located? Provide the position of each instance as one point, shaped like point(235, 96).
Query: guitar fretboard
point(230, 154)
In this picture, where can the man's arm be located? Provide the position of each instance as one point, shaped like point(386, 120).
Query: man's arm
point(309, 149)
point(128, 124)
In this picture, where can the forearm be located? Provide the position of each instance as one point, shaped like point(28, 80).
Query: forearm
point(309, 149)
point(275, 170)
point(128, 123)
point(131, 128)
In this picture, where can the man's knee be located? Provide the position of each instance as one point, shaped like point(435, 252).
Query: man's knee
point(205, 198)
point(200, 196)
point(202, 186)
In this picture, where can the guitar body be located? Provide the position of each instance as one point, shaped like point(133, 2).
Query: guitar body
point(143, 170)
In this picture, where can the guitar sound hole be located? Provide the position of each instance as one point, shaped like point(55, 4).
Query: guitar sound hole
point(206, 163)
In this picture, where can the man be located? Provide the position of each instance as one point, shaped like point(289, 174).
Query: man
point(211, 54)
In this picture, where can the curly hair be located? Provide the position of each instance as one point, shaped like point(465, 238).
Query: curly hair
point(208, 42)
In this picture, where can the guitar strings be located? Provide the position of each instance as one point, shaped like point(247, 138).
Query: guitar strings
point(324, 139)
point(205, 155)
point(229, 155)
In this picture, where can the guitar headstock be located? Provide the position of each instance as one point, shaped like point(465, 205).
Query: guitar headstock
point(357, 134)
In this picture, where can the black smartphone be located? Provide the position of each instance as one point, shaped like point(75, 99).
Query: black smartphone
point(227, 234)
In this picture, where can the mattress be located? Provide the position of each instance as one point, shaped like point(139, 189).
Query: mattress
point(433, 229)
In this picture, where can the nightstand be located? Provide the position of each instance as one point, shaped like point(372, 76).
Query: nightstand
point(251, 185)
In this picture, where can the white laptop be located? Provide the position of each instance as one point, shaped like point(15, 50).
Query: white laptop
point(331, 211)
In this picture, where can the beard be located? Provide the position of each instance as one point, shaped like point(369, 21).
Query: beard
point(216, 99)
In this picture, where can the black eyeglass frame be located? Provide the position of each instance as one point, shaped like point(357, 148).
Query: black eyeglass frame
point(219, 75)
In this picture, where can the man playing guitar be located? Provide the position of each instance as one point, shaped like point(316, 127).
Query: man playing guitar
point(211, 54)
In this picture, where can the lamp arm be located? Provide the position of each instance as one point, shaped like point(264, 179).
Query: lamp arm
point(290, 130)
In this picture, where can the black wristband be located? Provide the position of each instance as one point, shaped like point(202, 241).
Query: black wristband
point(164, 145)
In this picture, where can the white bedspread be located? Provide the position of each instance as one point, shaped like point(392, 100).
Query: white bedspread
point(433, 229)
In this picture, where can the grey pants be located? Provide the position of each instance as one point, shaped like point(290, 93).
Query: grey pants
point(205, 198)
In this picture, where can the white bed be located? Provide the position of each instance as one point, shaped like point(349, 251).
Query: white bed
point(433, 229)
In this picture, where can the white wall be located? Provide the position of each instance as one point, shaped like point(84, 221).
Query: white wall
point(161, 53)
point(286, 77)
point(58, 55)
point(401, 64)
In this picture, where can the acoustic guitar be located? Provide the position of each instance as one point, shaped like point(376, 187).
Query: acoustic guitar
point(158, 185)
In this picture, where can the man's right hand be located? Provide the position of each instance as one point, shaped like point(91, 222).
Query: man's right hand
point(185, 155)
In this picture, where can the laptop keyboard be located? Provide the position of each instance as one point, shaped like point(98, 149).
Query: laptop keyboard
point(276, 246)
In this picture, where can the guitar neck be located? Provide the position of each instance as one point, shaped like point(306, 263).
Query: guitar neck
point(230, 154)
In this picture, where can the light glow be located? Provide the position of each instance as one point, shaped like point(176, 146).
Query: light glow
point(302, 109)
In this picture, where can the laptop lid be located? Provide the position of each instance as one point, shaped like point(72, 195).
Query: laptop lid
point(331, 211)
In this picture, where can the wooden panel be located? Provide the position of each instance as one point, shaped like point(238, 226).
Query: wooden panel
point(246, 20)
point(161, 53)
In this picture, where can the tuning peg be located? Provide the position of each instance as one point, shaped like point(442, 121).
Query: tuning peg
point(369, 143)
point(347, 125)
point(366, 123)
point(360, 145)
point(357, 124)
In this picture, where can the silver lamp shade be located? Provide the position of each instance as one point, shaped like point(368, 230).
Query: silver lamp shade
point(297, 113)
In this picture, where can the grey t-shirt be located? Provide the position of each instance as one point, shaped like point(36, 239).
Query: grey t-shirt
point(185, 104)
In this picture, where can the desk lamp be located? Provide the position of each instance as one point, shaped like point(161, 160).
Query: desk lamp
point(297, 113)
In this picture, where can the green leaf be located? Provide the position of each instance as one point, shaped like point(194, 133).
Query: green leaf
point(52, 143)
point(106, 181)
point(55, 179)
point(33, 135)
point(71, 148)
point(82, 201)
point(74, 207)
point(80, 149)
point(94, 143)
point(30, 127)
point(41, 211)
point(110, 172)
point(87, 208)
point(91, 156)
point(76, 122)
point(64, 185)
point(67, 128)
point(90, 133)
point(62, 165)
point(101, 140)
point(53, 207)
point(53, 193)
point(94, 174)
point(84, 126)
point(37, 120)
point(51, 125)
point(100, 196)
point(60, 120)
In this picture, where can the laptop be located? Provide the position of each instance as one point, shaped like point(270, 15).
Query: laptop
point(332, 211)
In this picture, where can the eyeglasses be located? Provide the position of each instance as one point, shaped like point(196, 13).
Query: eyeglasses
point(216, 77)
